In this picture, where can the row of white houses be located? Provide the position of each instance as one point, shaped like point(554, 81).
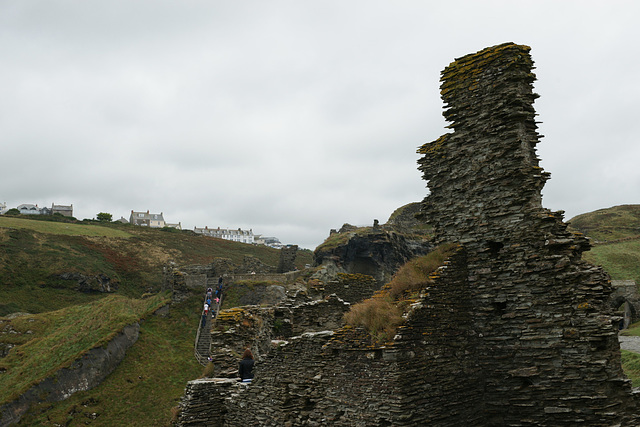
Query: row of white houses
point(147, 219)
point(239, 235)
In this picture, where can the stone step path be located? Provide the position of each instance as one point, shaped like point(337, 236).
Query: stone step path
point(202, 346)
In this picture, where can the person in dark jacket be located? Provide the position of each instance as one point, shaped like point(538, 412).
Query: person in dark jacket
point(245, 369)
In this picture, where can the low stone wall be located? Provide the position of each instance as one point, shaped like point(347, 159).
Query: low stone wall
point(300, 384)
point(255, 327)
point(351, 287)
point(203, 402)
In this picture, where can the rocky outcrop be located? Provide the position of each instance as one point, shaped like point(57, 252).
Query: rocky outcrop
point(404, 220)
point(372, 251)
point(84, 374)
point(251, 264)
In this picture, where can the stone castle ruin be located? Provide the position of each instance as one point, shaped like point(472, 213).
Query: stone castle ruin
point(514, 330)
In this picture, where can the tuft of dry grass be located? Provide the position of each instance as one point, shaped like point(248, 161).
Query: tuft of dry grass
point(378, 315)
point(383, 313)
point(415, 274)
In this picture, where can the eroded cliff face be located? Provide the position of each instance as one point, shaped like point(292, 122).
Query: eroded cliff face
point(377, 252)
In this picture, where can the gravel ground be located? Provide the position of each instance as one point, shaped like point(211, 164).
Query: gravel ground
point(629, 343)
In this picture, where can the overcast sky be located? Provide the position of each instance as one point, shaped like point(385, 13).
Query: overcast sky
point(294, 117)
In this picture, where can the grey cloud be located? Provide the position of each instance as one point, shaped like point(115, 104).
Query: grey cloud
point(290, 117)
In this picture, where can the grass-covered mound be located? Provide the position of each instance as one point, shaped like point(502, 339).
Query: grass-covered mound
point(606, 225)
point(631, 366)
point(631, 360)
point(46, 343)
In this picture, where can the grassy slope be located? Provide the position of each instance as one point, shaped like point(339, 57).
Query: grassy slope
point(50, 341)
point(615, 233)
point(630, 360)
point(33, 252)
point(605, 225)
point(620, 260)
point(61, 228)
point(149, 382)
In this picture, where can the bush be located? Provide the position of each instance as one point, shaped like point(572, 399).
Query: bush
point(104, 217)
point(209, 370)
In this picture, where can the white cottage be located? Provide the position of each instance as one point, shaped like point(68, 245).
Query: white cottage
point(147, 219)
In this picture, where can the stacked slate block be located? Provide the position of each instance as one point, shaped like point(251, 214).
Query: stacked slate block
point(206, 402)
point(541, 335)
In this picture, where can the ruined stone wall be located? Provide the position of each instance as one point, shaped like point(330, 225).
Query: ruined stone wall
point(300, 384)
point(342, 378)
point(436, 370)
point(546, 341)
point(287, 258)
point(203, 402)
point(351, 287)
point(314, 316)
point(255, 327)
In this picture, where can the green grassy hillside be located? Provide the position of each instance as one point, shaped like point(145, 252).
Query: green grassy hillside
point(615, 235)
point(145, 387)
point(64, 322)
point(46, 342)
point(611, 224)
point(33, 254)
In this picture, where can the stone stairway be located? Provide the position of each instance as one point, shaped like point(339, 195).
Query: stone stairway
point(203, 336)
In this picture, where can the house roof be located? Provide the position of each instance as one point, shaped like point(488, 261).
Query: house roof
point(146, 215)
point(28, 206)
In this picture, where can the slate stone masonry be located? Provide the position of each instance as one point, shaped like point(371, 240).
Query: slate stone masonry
point(544, 339)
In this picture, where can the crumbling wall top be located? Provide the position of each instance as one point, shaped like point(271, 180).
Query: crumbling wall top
point(486, 171)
